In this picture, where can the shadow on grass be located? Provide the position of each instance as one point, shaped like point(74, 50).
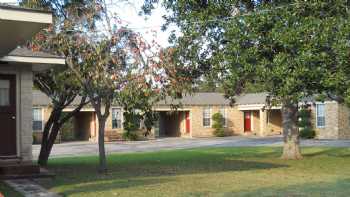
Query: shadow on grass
point(338, 188)
point(327, 152)
point(137, 169)
point(108, 185)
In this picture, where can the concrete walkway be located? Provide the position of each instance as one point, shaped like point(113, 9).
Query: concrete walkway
point(72, 149)
point(29, 188)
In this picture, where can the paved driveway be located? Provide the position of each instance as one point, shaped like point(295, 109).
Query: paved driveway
point(89, 148)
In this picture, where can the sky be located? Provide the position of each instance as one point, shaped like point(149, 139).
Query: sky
point(129, 14)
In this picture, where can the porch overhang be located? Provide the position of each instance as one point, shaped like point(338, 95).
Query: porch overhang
point(157, 109)
point(37, 60)
point(251, 107)
point(19, 25)
point(38, 64)
point(84, 109)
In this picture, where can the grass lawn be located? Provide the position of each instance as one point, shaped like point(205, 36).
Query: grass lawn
point(7, 191)
point(207, 172)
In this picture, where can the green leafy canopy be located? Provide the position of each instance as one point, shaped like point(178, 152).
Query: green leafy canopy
point(292, 48)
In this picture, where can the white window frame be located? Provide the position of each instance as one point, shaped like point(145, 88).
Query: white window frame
point(42, 119)
point(141, 123)
point(121, 117)
point(316, 116)
point(210, 114)
point(224, 114)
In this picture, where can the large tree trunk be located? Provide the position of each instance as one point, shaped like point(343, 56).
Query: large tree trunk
point(101, 144)
point(291, 148)
point(47, 145)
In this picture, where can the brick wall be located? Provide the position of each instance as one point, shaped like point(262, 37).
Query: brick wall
point(256, 123)
point(234, 123)
point(261, 125)
point(112, 134)
point(337, 119)
point(182, 124)
point(197, 128)
point(331, 129)
point(25, 110)
point(344, 122)
point(275, 122)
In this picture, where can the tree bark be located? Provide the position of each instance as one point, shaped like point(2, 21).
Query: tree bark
point(96, 103)
point(101, 144)
point(46, 149)
point(291, 148)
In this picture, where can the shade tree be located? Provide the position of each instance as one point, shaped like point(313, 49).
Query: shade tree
point(293, 49)
point(60, 83)
point(121, 67)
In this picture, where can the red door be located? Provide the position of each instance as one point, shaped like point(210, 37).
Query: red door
point(247, 122)
point(8, 116)
point(188, 124)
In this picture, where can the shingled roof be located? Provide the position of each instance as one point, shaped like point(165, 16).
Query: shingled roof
point(202, 98)
point(252, 98)
point(24, 52)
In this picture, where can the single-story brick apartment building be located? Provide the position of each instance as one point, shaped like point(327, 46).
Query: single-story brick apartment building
point(248, 116)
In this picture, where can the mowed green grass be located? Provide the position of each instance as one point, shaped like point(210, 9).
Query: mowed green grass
point(206, 172)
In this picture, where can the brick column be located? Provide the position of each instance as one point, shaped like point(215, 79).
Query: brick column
point(263, 122)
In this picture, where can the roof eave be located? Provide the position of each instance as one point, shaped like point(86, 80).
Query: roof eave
point(11, 13)
point(38, 64)
point(34, 60)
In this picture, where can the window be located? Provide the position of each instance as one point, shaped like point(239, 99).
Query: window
point(224, 115)
point(206, 117)
point(138, 122)
point(116, 118)
point(4, 92)
point(320, 116)
point(37, 119)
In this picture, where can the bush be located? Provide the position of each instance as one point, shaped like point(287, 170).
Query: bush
point(307, 133)
point(219, 132)
point(132, 136)
point(304, 122)
point(67, 131)
point(218, 122)
point(305, 125)
point(36, 139)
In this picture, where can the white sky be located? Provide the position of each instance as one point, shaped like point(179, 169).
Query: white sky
point(129, 15)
